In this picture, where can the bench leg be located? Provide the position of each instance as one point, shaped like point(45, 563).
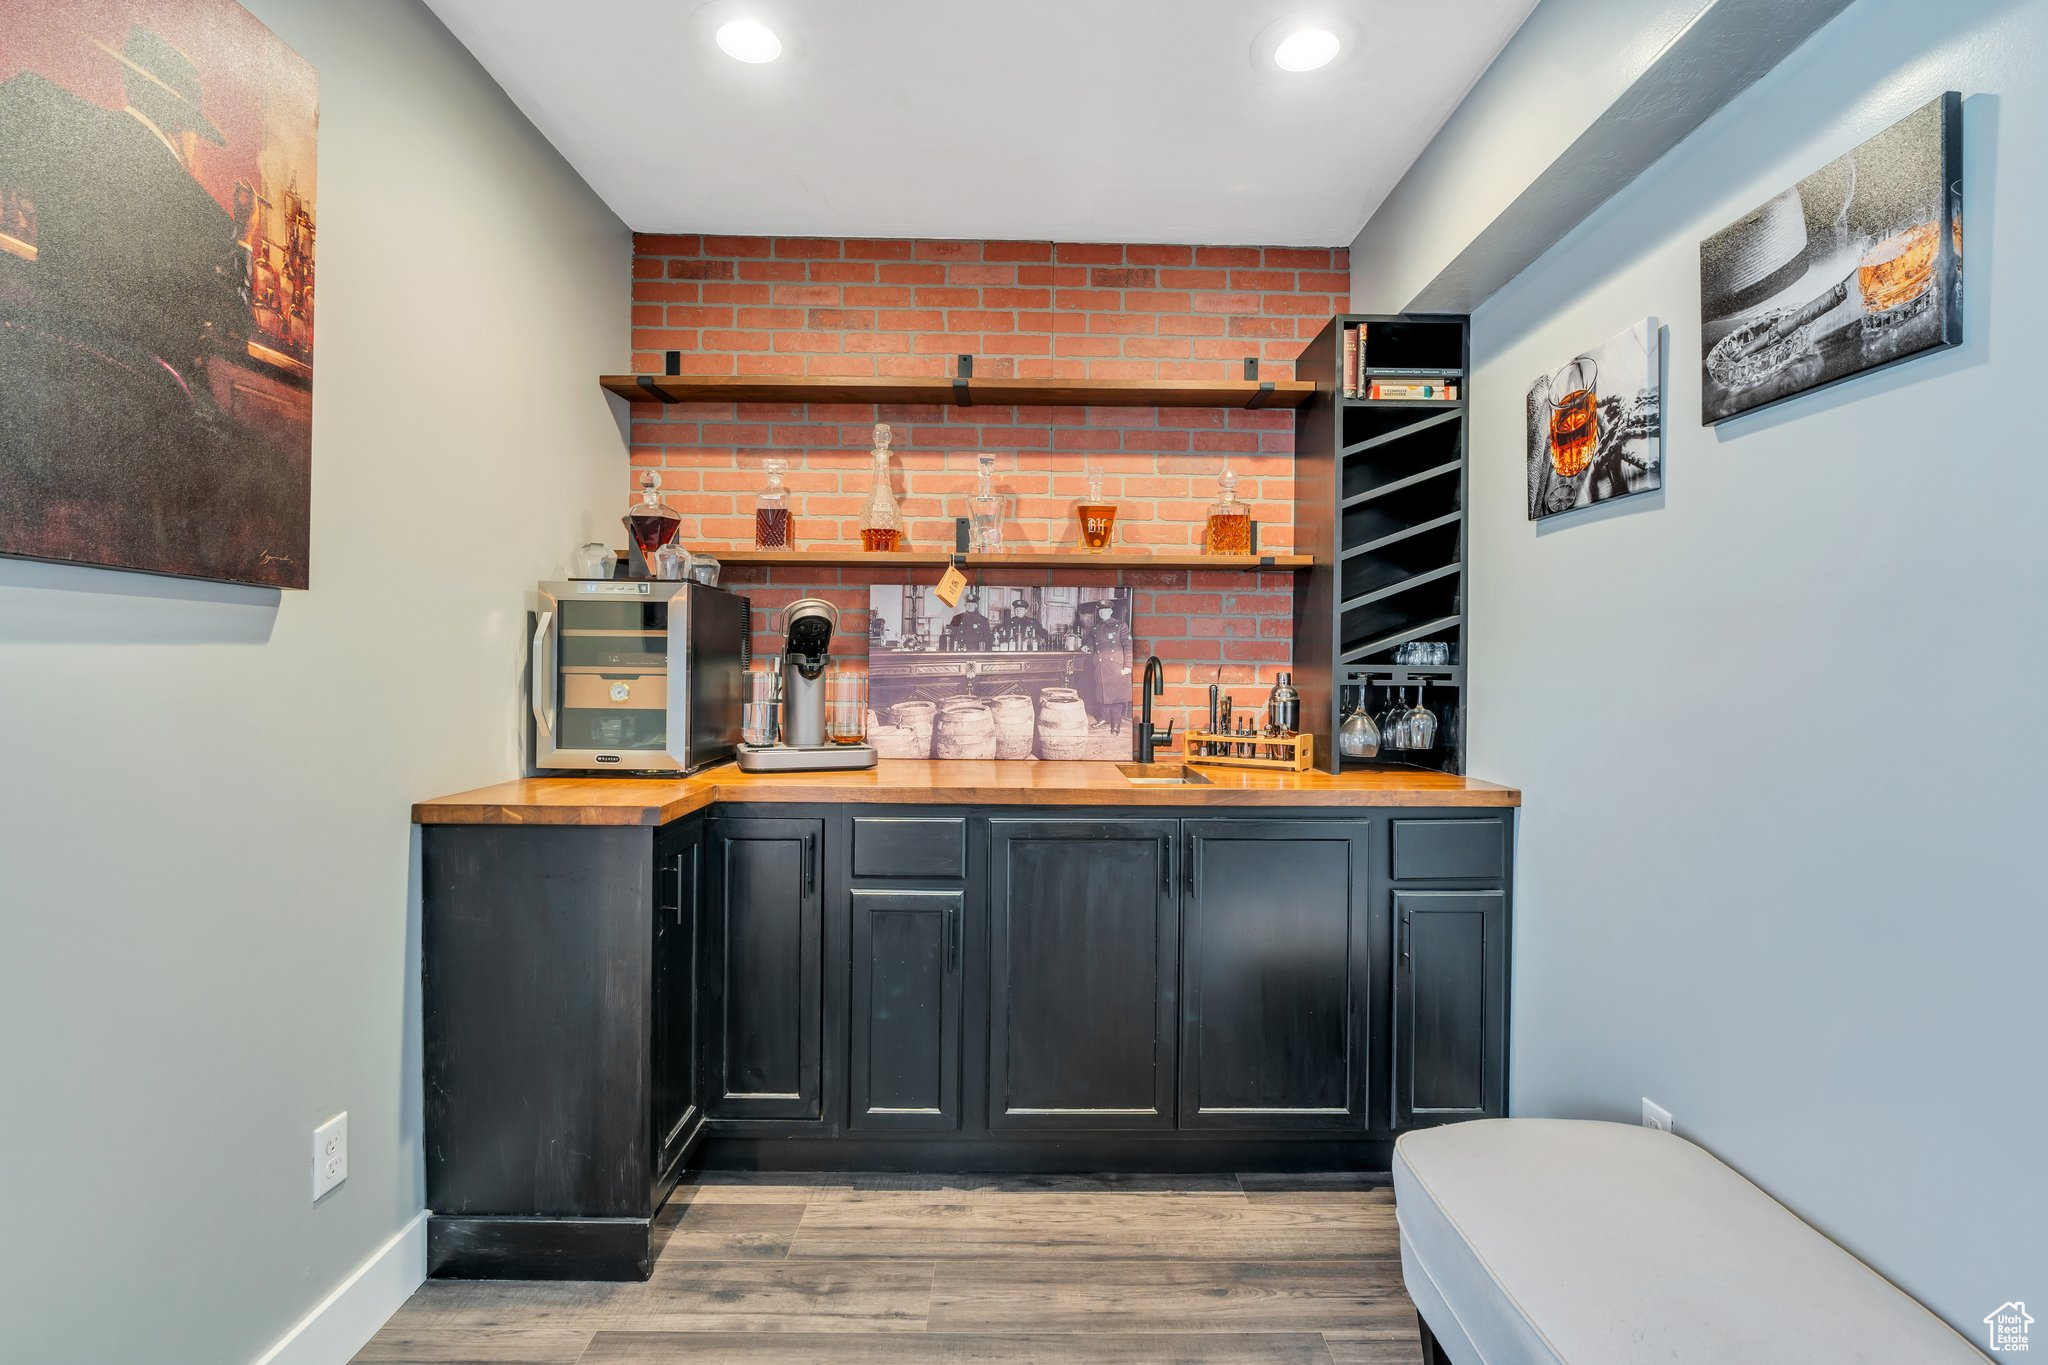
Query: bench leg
point(1432, 1351)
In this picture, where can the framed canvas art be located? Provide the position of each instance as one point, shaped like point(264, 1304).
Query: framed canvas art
point(1856, 267)
point(157, 191)
point(1596, 425)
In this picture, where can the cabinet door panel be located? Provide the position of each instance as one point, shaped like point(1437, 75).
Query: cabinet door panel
point(906, 1009)
point(1450, 1030)
point(1275, 973)
point(678, 1107)
point(766, 949)
point(1084, 928)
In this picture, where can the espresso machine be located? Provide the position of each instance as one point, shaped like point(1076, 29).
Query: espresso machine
point(805, 740)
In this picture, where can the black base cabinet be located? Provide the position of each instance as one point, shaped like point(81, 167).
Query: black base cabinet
point(809, 988)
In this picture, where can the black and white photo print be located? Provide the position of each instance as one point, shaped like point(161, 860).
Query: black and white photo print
point(1596, 425)
point(1856, 267)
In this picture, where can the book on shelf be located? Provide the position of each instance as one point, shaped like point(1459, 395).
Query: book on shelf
point(1409, 391)
point(1425, 372)
point(1352, 351)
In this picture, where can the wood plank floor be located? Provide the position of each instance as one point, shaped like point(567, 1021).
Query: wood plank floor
point(1121, 1270)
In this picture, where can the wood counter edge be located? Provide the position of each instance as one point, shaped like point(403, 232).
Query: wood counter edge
point(457, 811)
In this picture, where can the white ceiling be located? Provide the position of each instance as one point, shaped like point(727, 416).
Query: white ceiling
point(1103, 120)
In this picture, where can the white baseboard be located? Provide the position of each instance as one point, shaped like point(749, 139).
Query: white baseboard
point(345, 1320)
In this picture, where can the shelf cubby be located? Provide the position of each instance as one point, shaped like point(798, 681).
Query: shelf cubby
point(1380, 504)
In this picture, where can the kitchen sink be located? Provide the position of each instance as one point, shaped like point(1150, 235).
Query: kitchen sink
point(1162, 775)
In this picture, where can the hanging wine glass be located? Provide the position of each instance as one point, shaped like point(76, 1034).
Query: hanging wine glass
point(1358, 736)
point(1421, 723)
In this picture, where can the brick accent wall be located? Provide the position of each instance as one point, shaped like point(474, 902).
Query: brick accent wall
point(833, 307)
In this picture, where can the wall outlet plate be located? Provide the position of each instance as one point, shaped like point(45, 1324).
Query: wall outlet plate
point(330, 1154)
point(1656, 1115)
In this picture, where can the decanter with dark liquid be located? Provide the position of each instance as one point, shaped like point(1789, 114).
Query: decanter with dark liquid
point(881, 522)
point(1098, 518)
point(1229, 528)
point(651, 522)
point(772, 529)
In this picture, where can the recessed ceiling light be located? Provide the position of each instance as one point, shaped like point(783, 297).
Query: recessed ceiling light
point(749, 40)
point(1307, 49)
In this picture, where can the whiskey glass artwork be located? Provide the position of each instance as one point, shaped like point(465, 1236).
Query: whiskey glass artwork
point(1572, 408)
point(1896, 271)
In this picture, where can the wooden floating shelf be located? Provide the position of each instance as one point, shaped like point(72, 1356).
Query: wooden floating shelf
point(966, 393)
point(1021, 559)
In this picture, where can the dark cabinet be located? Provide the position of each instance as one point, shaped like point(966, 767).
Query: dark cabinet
point(764, 969)
point(1276, 973)
point(1082, 968)
point(678, 1109)
point(905, 1034)
point(1450, 1006)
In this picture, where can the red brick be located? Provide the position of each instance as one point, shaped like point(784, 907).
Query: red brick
point(770, 317)
point(1122, 324)
point(663, 339)
point(1092, 300)
point(919, 273)
point(933, 250)
point(753, 247)
point(1192, 325)
point(660, 291)
point(648, 267)
point(841, 319)
point(648, 315)
point(1225, 303)
point(759, 365)
point(700, 270)
point(808, 294)
point(665, 244)
point(948, 298)
point(701, 317)
point(771, 270)
point(1088, 253)
point(877, 249)
point(736, 341)
point(1193, 279)
point(1087, 346)
point(1033, 252)
point(1330, 282)
point(966, 273)
point(735, 293)
point(870, 343)
point(808, 248)
point(842, 272)
point(1262, 279)
point(1297, 258)
point(1155, 348)
point(911, 320)
point(1123, 278)
point(1016, 298)
point(1159, 255)
point(1234, 256)
point(980, 320)
point(1261, 327)
point(1153, 301)
point(877, 296)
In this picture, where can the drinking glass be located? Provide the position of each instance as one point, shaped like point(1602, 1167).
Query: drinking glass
point(758, 723)
point(846, 706)
point(1572, 408)
point(1421, 724)
point(1358, 736)
point(595, 560)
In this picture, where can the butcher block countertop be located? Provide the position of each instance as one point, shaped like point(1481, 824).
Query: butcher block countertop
point(605, 800)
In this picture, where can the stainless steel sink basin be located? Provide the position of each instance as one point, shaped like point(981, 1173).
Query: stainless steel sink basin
point(1162, 775)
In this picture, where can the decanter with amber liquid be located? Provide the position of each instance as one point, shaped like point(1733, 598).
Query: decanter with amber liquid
point(1098, 518)
point(772, 527)
point(1229, 528)
point(651, 522)
point(881, 522)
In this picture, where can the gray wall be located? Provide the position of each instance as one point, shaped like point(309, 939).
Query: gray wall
point(1780, 725)
point(208, 939)
point(1568, 62)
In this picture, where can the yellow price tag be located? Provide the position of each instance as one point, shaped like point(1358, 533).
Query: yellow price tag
point(950, 587)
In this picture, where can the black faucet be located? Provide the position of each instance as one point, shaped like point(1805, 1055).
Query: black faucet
point(1144, 744)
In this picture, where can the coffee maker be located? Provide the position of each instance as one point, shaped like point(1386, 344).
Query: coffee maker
point(804, 744)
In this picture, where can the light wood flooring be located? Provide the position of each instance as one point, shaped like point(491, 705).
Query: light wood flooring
point(1135, 1270)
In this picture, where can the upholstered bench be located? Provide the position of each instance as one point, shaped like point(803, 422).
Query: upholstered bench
point(1574, 1243)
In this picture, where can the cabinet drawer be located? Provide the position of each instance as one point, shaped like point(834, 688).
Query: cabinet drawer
point(910, 846)
point(1435, 849)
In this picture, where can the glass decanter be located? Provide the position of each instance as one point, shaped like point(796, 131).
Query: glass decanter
point(986, 524)
point(651, 522)
point(1098, 518)
point(881, 523)
point(1229, 529)
point(772, 528)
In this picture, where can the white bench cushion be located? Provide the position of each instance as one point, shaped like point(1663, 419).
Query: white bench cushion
point(1561, 1242)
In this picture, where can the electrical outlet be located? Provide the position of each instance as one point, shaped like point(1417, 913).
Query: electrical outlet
point(330, 1154)
point(1656, 1115)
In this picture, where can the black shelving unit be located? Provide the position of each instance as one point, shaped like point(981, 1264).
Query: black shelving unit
point(1379, 503)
